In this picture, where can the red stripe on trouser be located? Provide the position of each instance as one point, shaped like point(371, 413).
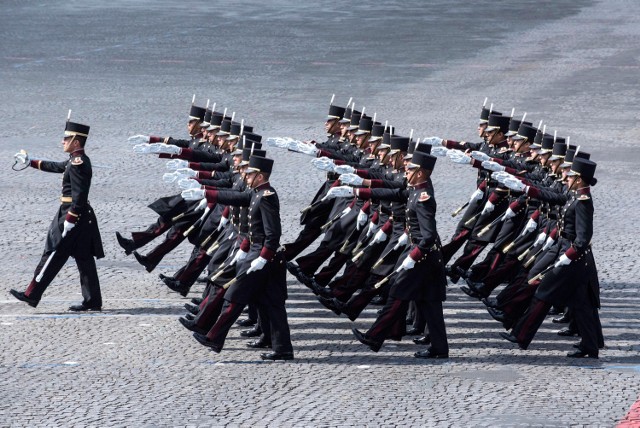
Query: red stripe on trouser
point(30, 288)
point(221, 321)
point(632, 419)
point(527, 328)
point(209, 313)
point(465, 260)
point(385, 322)
point(194, 268)
point(204, 302)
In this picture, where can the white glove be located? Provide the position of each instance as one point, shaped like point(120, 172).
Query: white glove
point(562, 261)
point(223, 222)
point(345, 212)
point(508, 214)
point(193, 194)
point(514, 184)
point(362, 219)
point(488, 208)
point(439, 151)
point(257, 264)
point(529, 227)
point(548, 243)
point(66, 228)
point(202, 205)
point(402, 241)
point(138, 139)
point(481, 156)
point(281, 143)
point(21, 157)
point(407, 263)
point(540, 239)
point(177, 164)
point(492, 166)
point(380, 237)
point(373, 228)
point(339, 192)
point(187, 172)
point(170, 177)
point(476, 196)
point(239, 256)
point(142, 148)
point(500, 176)
point(323, 164)
point(458, 157)
point(187, 183)
point(352, 179)
point(344, 169)
point(433, 141)
point(168, 149)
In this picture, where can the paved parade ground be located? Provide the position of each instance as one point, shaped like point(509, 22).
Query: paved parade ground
point(131, 67)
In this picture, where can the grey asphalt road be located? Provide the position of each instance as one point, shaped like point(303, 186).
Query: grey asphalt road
point(131, 67)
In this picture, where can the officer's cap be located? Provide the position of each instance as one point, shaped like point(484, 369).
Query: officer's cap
point(72, 129)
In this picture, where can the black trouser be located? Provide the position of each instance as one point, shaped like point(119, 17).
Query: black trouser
point(140, 239)
point(89, 282)
point(273, 316)
point(391, 322)
point(306, 237)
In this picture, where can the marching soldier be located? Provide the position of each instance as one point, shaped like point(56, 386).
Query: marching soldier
point(261, 275)
point(572, 279)
point(420, 275)
point(74, 230)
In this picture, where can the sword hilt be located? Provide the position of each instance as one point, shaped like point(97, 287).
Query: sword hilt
point(382, 282)
point(230, 283)
point(212, 249)
point(508, 247)
point(178, 217)
point(522, 256)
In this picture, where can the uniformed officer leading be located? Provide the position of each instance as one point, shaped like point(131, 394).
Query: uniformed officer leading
point(74, 230)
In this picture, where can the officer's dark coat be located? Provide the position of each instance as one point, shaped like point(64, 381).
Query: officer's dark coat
point(84, 238)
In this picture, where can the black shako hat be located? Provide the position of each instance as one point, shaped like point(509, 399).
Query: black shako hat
point(197, 113)
point(365, 126)
point(378, 130)
point(225, 128)
point(248, 152)
point(355, 121)
point(72, 129)
point(585, 168)
point(246, 143)
point(234, 130)
point(422, 160)
point(484, 114)
point(216, 120)
point(417, 147)
point(252, 136)
point(547, 144)
point(335, 112)
point(260, 164)
point(347, 115)
point(497, 121)
point(559, 150)
point(399, 144)
point(386, 139)
point(514, 125)
point(207, 119)
point(526, 132)
point(571, 155)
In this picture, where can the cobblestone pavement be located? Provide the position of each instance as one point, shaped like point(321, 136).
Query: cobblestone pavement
point(131, 67)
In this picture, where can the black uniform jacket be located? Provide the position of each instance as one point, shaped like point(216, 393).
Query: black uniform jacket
point(84, 238)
